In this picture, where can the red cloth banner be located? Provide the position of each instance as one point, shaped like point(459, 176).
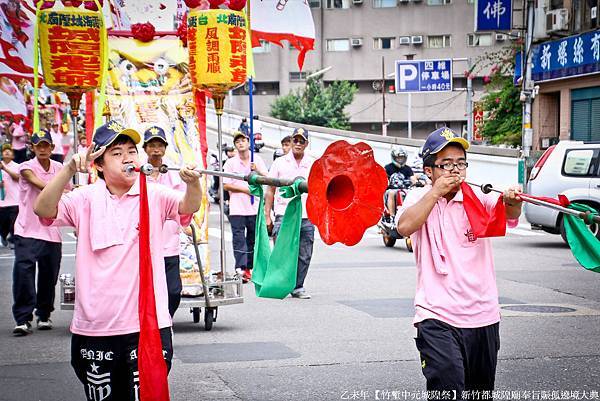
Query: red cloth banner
point(483, 223)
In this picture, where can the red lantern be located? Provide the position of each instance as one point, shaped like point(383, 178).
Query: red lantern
point(345, 187)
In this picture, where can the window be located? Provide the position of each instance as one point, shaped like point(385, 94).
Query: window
point(384, 43)
point(298, 76)
point(384, 3)
point(438, 41)
point(265, 47)
point(579, 162)
point(337, 3)
point(479, 39)
point(338, 45)
point(438, 2)
point(314, 3)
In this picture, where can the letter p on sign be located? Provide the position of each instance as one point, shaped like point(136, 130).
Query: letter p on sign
point(407, 77)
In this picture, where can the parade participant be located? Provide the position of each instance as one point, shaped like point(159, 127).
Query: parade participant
point(106, 218)
point(400, 176)
point(294, 164)
point(82, 148)
point(286, 145)
point(155, 146)
point(34, 243)
point(9, 203)
point(456, 302)
point(242, 212)
point(57, 140)
point(19, 139)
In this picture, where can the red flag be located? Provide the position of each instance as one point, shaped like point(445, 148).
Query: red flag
point(483, 223)
point(561, 201)
point(152, 367)
point(200, 99)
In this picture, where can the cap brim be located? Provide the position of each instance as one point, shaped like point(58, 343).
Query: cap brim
point(129, 132)
point(239, 135)
point(461, 141)
point(155, 137)
point(42, 140)
point(299, 134)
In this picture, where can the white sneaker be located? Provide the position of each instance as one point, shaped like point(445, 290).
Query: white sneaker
point(22, 329)
point(44, 324)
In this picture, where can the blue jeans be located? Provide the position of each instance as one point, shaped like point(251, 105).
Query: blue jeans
point(307, 239)
point(243, 231)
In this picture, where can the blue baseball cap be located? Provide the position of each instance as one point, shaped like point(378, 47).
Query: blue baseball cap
point(155, 133)
point(300, 132)
point(439, 139)
point(41, 136)
point(107, 133)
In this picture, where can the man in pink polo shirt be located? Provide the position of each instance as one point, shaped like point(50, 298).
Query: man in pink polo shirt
point(57, 139)
point(105, 215)
point(34, 243)
point(9, 200)
point(295, 163)
point(242, 212)
point(456, 301)
point(155, 146)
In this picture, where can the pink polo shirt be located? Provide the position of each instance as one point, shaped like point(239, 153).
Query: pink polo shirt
point(239, 203)
point(171, 228)
point(27, 223)
point(57, 139)
point(107, 258)
point(11, 187)
point(456, 281)
point(288, 167)
point(19, 137)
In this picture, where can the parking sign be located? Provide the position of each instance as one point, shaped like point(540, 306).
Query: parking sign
point(415, 76)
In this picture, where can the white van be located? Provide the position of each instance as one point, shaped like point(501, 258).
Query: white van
point(571, 168)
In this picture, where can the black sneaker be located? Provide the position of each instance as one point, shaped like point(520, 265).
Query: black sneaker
point(22, 329)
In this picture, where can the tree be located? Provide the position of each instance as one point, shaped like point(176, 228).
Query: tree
point(500, 104)
point(317, 104)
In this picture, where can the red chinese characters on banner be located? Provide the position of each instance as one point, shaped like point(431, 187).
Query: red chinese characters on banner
point(212, 47)
point(477, 125)
point(237, 62)
point(71, 48)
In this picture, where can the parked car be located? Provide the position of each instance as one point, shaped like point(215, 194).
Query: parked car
point(571, 168)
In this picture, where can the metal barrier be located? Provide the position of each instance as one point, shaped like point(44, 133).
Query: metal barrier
point(498, 166)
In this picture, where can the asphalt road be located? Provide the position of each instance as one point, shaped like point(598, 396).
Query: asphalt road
point(353, 339)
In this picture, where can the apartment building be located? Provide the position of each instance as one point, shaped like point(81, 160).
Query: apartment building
point(355, 38)
point(566, 72)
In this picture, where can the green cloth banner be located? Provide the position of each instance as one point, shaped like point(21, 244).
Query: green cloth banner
point(583, 243)
point(274, 272)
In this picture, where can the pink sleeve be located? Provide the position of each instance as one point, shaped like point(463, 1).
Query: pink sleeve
point(227, 168)
point(274, 172)
point(169, 200)
point(67, 212)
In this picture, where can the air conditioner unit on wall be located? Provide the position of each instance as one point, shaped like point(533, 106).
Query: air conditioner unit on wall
point(357, 2)
point(416, 40)
point(405, 40)
point(557, 20)
point(500, 37)
point(356, 42)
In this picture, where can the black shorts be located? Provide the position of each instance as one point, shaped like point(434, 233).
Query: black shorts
point(457, 360)
point(107, 366)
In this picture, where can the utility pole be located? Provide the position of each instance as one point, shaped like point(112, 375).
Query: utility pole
point(469, 102)
point(383, 124)
point(527, 93)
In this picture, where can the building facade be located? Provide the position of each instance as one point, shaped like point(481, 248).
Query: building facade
point(566, 71)
point(359, 41)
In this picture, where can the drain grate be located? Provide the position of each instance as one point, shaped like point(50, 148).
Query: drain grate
point(538, 308)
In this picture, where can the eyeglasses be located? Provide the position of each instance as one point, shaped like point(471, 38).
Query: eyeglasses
point(450, 166)
point(300, 141)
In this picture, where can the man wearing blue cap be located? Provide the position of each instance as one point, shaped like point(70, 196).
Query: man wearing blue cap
point(294, 164)
point(456, 301)
point(155, 146)
point(34, 243)
point(106, 217)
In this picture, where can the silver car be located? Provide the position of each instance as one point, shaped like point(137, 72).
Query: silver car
point(571, 168)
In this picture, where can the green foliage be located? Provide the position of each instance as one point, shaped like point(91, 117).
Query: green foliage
point(500, 104)
point(316, 104)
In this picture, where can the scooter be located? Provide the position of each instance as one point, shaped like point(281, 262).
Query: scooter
point(387, 226)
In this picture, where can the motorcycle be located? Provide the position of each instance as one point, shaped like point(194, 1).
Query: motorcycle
point(387, 226)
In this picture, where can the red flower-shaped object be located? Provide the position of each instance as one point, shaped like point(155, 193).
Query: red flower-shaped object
point(91, 5)
point(237, 5)
point(345, 192)
point(215, 3)
point(182, 31)
point(143, 32)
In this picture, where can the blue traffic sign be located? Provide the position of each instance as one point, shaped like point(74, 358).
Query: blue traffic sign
point(493, 15)
point(423, 76)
